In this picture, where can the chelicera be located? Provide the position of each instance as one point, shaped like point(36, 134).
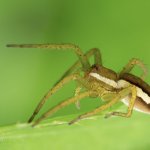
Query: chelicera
point(96, 81)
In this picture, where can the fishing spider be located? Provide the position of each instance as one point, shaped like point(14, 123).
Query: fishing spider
point(95, 81)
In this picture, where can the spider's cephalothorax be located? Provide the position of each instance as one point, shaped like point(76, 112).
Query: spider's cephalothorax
point(97, 81)
point(104, 72)
point(105, 75)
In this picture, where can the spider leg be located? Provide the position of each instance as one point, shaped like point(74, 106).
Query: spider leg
point(130, 107)
point(97, 55)
point(77, 92)
point(62, 105)
point(92, 52)
point(83, 59)
point(123, 93)
point(131, 64)
point(97, 61)
point(52, 91)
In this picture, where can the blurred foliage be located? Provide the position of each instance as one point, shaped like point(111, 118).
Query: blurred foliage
point(119, 28)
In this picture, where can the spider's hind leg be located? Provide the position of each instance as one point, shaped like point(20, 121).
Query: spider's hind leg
point(131, 64)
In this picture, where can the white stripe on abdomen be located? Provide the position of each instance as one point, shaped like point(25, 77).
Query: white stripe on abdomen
point(126, 102)
point(104, 79)
point(121, 84)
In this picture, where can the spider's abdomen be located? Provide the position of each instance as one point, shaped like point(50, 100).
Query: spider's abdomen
point(142, 102)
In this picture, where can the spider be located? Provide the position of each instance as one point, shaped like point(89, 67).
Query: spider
point(96, 81)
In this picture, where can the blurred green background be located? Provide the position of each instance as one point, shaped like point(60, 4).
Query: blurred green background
point(121, 29)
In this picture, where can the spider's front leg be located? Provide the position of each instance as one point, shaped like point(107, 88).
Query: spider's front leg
point(130, 107)
point(82, 58)
point(55, 89)
point(62, 105)
point(79, 96)
point(131, 64)
point(92, 52)
point(118, 96)
point(51, 92)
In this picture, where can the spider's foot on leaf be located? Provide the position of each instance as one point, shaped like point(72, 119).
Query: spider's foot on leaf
point(74, 121)
point(109, 115)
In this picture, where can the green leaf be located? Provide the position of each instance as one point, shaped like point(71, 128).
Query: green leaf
point(93, 133)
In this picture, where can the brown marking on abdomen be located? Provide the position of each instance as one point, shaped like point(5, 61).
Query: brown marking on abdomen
point(136, 81)
point(141, 105)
